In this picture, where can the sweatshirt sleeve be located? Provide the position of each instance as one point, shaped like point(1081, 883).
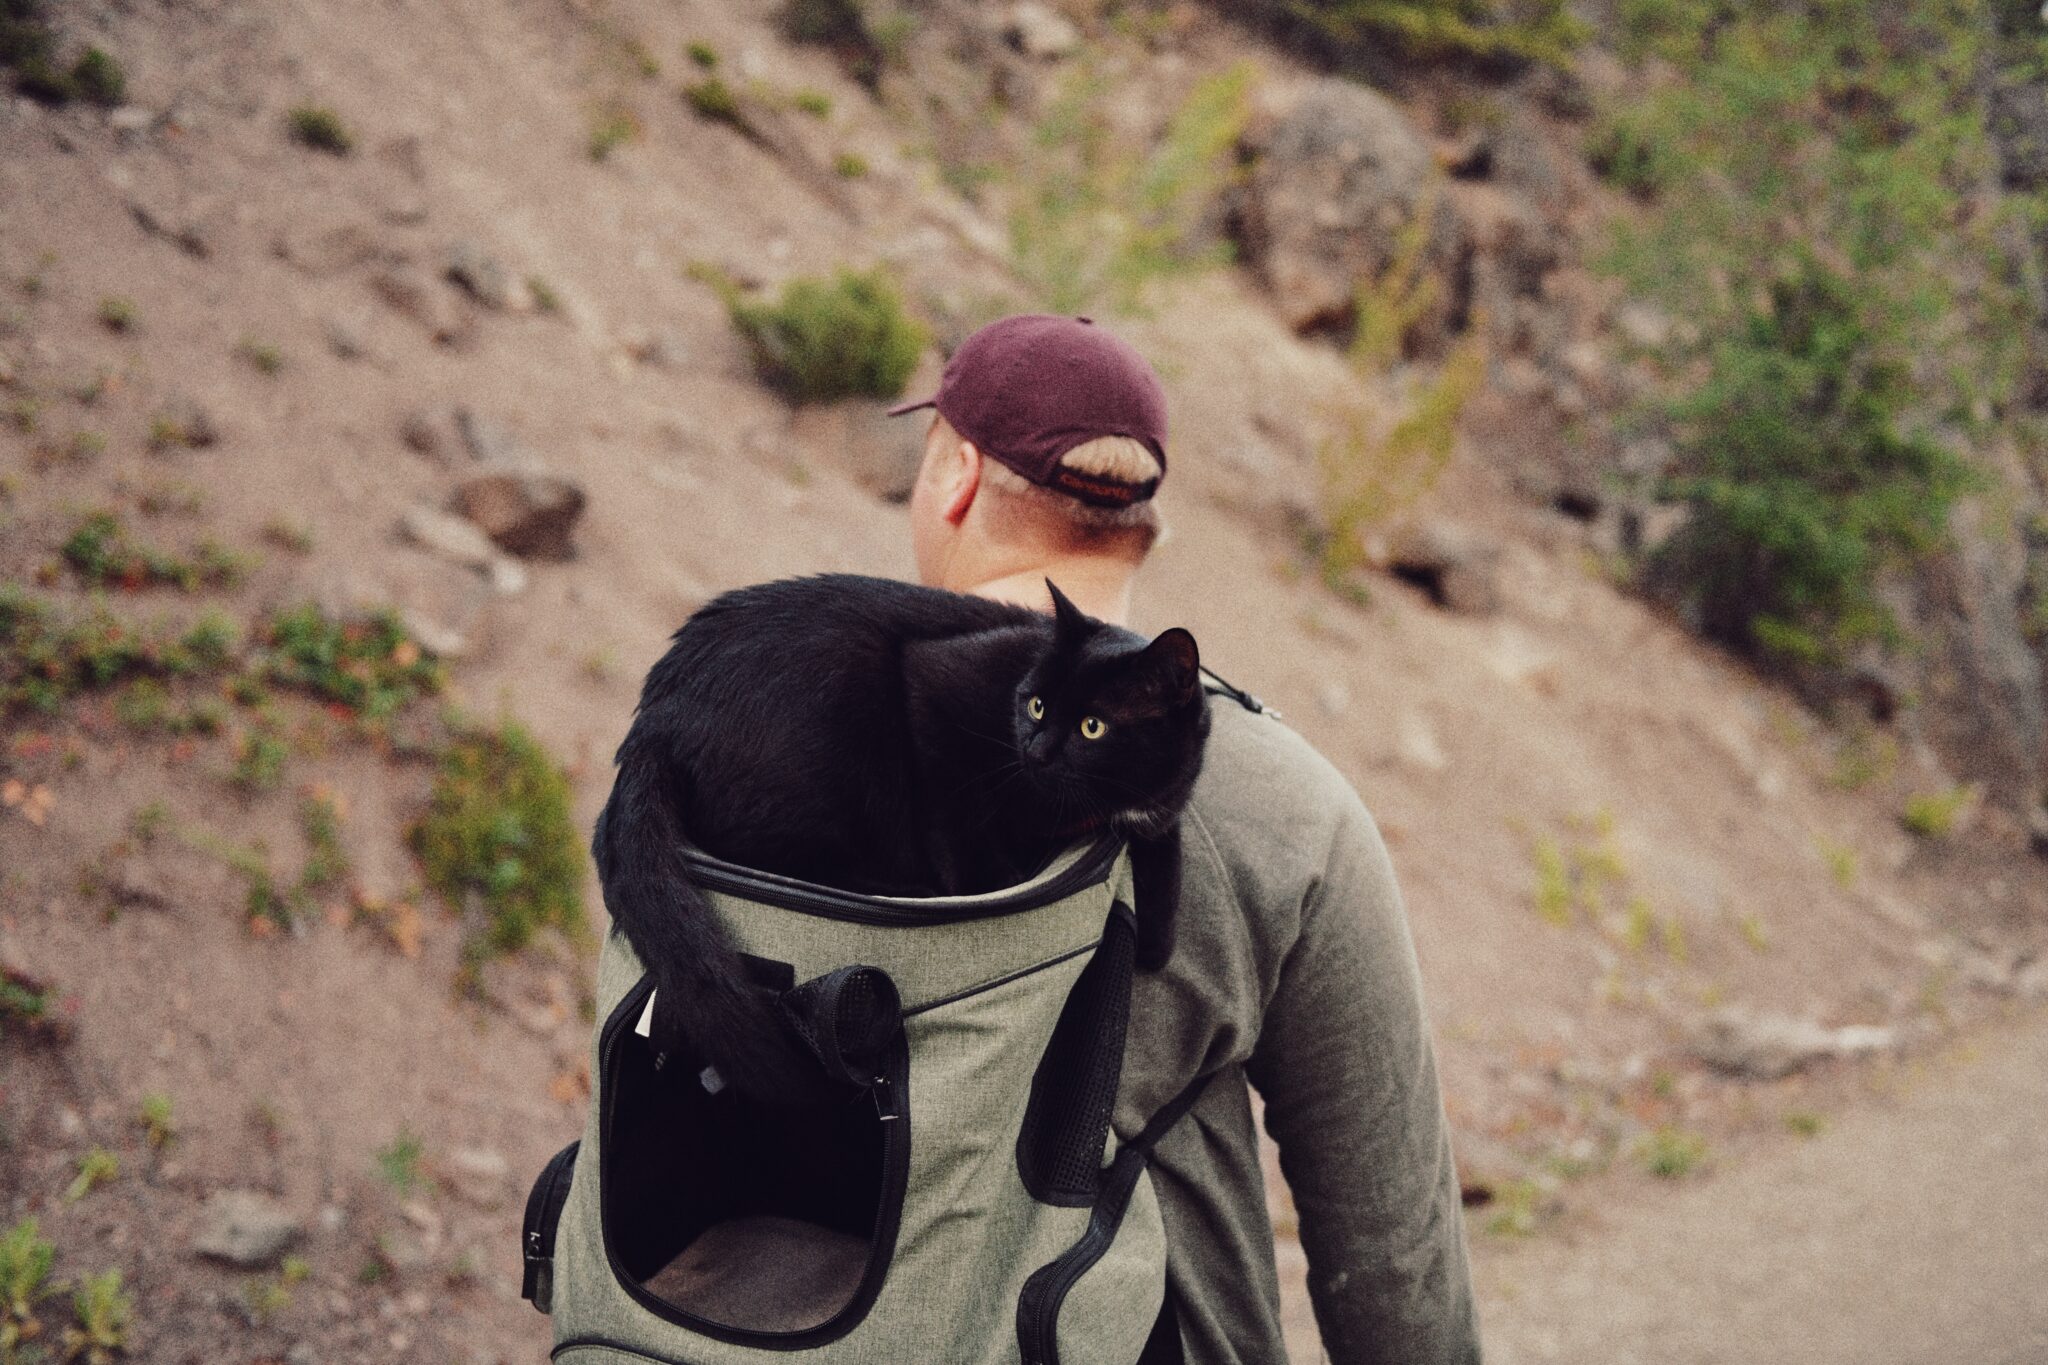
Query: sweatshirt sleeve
point(1347, 1070)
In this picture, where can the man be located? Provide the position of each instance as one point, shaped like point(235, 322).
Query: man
point(1293, 968)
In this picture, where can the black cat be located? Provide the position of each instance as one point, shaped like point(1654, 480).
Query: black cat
point(884, 738)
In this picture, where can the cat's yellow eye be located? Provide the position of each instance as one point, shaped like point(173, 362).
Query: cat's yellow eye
point(1092, 728)
point(1035, 708)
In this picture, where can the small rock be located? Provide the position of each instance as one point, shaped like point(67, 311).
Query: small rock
point(139, 888)
point(1415, 743)
point(345, 337)
point(1766, 1047)
point(443, 642)
point(478, 1175)
point(490, 441)
point(407, 1250)
point(485, 277)
point(130, 118)
point(70, 1124)
point(661, 349)
point(1456, 567)
point(464, 543)
point(244, 1228)
point(302, 1353)
point(2037, 830)
point(329, 251)
point(423, 430)
point(1040, 31)
point(409, 292)
point(332, 1218)
point(188, 233)
point(530, 515)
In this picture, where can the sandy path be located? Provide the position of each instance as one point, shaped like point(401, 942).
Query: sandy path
point(1911, 1230)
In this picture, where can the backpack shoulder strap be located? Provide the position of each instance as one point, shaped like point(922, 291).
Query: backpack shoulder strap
point(1215, 685)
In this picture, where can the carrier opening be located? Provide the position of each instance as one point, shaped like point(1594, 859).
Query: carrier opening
point(757, 1224)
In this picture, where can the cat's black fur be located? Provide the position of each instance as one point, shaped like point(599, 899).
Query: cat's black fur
point(876, 736)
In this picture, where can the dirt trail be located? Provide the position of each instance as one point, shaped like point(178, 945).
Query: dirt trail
point(1914, 1229)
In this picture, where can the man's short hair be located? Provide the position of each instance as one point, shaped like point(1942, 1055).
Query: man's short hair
point(1026, 509)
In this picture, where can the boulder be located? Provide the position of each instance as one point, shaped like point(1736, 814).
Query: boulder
point(1336, 180)
point(530, 515)
point(492, 441)
point(245, 1229)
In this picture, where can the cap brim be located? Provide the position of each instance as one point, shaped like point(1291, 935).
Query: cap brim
point(902, 408)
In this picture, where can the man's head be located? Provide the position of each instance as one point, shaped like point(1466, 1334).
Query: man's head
point(1047, 444)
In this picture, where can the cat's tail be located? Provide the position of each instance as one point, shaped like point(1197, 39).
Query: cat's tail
point(702, 994)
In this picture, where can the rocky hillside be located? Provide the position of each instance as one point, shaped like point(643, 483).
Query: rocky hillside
point(371, 401)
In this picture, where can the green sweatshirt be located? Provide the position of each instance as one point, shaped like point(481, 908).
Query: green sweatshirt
point(1294, 970)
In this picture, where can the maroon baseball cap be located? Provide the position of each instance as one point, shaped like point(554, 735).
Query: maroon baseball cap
point(1029, 388)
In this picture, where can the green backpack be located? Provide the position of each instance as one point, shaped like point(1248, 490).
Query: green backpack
point(968, 1205)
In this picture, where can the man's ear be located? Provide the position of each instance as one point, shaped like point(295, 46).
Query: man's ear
point(960, 480)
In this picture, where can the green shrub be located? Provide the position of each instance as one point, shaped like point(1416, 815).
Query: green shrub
point(116, 314)
point(703, 55)
point(318, 127)
point(28, 44)
point(844, 26)
point(498, 826)
point(1847, 291)
point(839, 338)
point(1378, 36)
point(399, 1162)
point(1804, 482)
point(850, 165)
point(95, 1168)
point(101, 553)
point(813, 102)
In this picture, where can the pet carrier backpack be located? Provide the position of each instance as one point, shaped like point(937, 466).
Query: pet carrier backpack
point(967, 1204)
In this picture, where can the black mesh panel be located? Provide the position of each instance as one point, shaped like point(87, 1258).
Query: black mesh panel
point(1059, 1151)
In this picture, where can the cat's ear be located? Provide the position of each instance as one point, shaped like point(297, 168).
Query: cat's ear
point(1174, 660)
point(1069, 622)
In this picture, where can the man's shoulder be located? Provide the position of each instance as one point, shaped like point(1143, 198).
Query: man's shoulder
point(1264, 791)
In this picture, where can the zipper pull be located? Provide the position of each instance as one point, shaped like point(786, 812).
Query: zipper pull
point(885, 1100)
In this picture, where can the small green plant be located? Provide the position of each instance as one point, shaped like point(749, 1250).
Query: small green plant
point(711, 98)
point(373, 1271)
point(1933, 815)
point(545, 299)
point(850, 165)
point(155, 1117)
point(319, 127)
point(1671, 1153)
point(25, 1261)
point(101, 1310)
point(499, 826)
point(1519, 1205)
point(262, 356)
point(369, 666)
point(612, 128)
point(95, 1168)
point(101, 553)
point(827, 339)
point(816, 103)
point(149, 821)
point(702, 55)
point(1751, 927)
point(1841, 861)
point(1804, 1122)
point(399, 1161)
point(320, 822)
point(1553, 883)
point(98, 78)
point(117, 314)
point(260, 757)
